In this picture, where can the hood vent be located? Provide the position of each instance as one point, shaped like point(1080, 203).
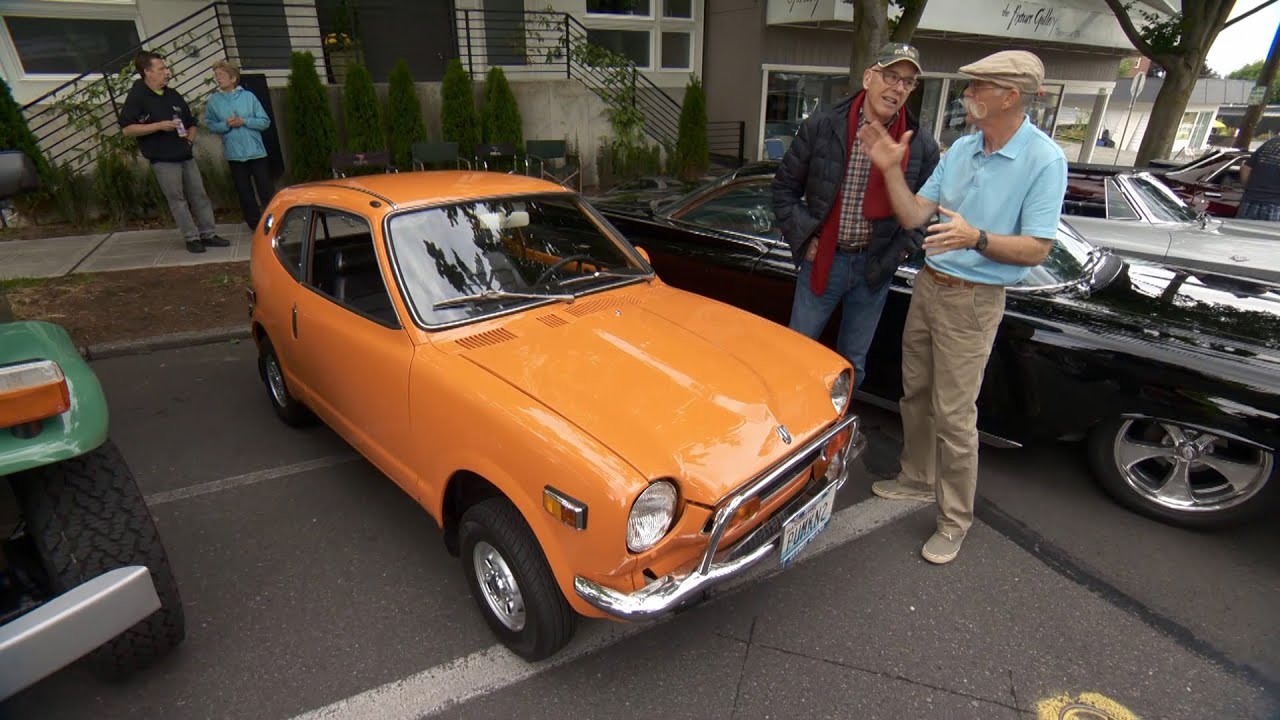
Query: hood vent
point(552, 321)
point(586, 308)
point(492, 337)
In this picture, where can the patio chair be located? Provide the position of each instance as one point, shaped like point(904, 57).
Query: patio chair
point(343, 163)
point(495, 155)
point(554, 162)
point(431, 154)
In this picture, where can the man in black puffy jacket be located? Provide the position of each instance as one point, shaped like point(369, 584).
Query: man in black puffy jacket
point(831, 204)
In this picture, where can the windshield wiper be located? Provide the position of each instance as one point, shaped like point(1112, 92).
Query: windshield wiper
point(491, 295)
point(604, 274)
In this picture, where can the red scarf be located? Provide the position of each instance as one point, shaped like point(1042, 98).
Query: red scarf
point(875, 198)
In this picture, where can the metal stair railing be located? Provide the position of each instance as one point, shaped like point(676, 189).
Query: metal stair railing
point(89, 104)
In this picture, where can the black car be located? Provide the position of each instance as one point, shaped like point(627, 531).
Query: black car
point(1170, 377)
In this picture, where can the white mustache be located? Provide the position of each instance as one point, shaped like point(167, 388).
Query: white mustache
point(976, 109)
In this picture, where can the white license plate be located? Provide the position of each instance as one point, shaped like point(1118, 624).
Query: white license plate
point(806, 524)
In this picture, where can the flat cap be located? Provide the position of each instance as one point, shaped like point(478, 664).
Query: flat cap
point(1016, 69)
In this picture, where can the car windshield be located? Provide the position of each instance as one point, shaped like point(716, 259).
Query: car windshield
point(476, 259)
point(1070, 261)
point(1160, 200)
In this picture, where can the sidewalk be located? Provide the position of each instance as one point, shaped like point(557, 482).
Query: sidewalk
point(127, 250)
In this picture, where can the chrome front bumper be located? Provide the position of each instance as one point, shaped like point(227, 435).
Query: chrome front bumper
point(672, 591)
point(73, 624)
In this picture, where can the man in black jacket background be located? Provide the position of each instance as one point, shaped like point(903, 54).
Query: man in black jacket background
point(159, 117)
point(831, 204)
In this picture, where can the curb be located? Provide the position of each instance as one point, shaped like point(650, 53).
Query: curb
point(164, 342)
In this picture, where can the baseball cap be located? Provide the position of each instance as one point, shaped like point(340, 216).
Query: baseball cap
point(891, 53)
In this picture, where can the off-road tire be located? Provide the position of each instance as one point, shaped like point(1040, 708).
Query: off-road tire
point(287, 407)
point(85, 516)
point(550, 622)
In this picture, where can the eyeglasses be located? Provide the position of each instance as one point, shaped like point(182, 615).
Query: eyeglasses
point(892, 78)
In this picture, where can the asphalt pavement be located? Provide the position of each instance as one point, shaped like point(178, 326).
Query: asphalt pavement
point(314, 588)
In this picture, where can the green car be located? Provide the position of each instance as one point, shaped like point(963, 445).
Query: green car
point(83, 573)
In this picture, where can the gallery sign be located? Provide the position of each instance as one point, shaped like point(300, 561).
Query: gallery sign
point(1080, 22)
point(808, 12)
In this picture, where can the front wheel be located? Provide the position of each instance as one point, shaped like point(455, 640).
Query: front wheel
point(1182, 475)
point(512, 582)
point(85, 517)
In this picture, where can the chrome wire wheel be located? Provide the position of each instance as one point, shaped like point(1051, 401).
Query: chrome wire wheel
point(275, 381)
point(498, 585)
point(1186, 469)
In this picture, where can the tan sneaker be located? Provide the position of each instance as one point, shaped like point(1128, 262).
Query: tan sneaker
point(895, 490)
point(942, 547)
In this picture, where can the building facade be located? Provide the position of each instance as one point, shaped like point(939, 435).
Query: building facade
point(774, 62)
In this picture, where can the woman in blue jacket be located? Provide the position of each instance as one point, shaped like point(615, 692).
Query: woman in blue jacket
point(236, 115)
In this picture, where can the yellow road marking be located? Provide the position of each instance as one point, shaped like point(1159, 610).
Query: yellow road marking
point(1085, 706)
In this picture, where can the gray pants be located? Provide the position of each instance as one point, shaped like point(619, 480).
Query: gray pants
point(183, 188)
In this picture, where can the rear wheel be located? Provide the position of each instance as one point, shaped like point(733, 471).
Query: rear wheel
point(85, 516)
point(287, 407)
point(1182, 475)
point(512, 582)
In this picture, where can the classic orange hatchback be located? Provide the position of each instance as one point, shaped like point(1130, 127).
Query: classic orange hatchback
point(591, 441)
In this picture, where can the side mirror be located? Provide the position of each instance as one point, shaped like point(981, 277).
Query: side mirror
point(17, 174)
point(644, 254)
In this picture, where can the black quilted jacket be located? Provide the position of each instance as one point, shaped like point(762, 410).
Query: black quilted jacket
point(812, 172)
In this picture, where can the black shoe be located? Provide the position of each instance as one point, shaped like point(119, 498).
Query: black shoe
point(215, 241)
point(194, 246)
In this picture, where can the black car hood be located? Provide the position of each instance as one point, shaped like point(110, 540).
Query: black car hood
point(1219, 312)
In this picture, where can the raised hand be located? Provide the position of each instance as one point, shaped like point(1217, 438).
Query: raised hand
point(885, 152)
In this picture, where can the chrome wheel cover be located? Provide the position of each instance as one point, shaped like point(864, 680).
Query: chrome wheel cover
point(275, 381)
point(1186, 469)
point(498, 586)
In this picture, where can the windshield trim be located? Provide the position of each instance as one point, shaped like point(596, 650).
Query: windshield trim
point(586, 207)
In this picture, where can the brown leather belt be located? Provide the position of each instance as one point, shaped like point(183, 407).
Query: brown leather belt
point(944, 279)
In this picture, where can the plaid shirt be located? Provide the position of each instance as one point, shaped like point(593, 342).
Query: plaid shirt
point(855, 229)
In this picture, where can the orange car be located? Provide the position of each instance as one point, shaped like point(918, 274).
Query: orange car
point(590, 440)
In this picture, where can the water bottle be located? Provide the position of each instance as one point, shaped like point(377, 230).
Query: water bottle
point(182, 130)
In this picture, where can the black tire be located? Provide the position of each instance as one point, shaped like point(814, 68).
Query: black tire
point(1208, 503)
point(85, 516)
point(548, 622)
point(287, 407)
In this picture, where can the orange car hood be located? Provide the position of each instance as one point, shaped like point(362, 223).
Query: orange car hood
point(677, 386)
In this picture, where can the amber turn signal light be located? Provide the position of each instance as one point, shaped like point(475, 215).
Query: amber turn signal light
point(564, 508)
point(32, 391)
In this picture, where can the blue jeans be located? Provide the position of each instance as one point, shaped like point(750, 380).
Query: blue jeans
point(861, 312)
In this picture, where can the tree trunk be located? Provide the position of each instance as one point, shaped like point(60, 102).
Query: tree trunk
point(1254, 113)
point(910, 20)
point(870, 29)
point(1166, 113)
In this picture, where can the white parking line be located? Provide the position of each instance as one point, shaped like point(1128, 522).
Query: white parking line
point(248, 479)
point(496, 668)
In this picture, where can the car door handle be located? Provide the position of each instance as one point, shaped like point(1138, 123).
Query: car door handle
point(295, 321)
point(1214, 195)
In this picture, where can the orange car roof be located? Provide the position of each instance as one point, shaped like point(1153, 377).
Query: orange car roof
point(407, 189)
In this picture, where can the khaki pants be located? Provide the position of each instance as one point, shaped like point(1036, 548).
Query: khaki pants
point(945, 345)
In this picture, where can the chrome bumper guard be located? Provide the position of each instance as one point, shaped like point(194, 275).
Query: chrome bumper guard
point(670, 592)
point(73, 624)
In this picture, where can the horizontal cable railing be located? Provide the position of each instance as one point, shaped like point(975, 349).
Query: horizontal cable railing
point(74, 121)
point(546, 44)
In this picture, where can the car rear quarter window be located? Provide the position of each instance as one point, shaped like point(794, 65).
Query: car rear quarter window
point(290, 240)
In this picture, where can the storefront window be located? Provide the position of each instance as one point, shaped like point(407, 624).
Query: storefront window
point(618, 7)
point(793, 97)
point(631, 44)
point(924, 103)
point(1043, 111)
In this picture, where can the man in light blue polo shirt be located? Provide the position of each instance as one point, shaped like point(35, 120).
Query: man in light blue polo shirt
point(1000, 194)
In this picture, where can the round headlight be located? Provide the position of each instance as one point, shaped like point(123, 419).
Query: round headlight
point(840, 390)
point(651, 516)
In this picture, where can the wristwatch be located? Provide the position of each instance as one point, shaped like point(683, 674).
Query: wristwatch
point(982, 241)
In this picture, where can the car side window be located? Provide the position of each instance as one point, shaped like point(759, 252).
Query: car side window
point(746, 208)
point(290, 239)
point(344, 266)
point(1118, 206)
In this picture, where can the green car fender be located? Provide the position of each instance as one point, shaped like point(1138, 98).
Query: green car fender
point(73, 433)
